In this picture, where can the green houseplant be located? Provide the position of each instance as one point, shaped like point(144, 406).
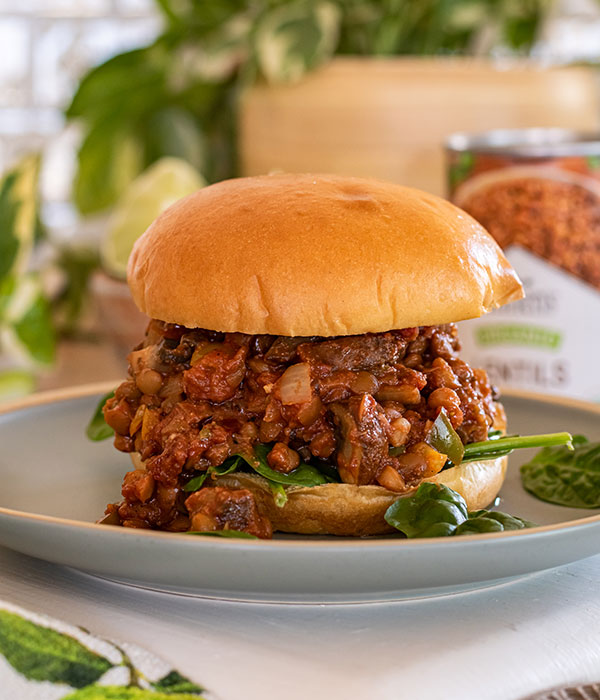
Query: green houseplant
point(179, 95)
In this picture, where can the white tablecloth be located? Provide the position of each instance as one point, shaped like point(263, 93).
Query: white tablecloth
point(501, 643)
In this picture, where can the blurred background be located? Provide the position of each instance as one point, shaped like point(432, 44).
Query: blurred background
point(112, 109)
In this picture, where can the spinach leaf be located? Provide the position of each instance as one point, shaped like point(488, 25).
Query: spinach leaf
point(444, 439)
point(491, 521)
point(436, 510)
point(499, 446)
point(197, 482)
point(228, 466)
point(433, 511)
point(304, 474)
point(97, 428)
point(42, 654)
point(567, 478)
point(224, 533)
point(328, 470)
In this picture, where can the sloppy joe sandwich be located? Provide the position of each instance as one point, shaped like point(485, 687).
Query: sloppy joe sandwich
point(301, 370)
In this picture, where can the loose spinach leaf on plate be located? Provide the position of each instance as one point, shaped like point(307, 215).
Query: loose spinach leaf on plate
point(436, 510)
point(491, 521)
point(433, 511)
point(97, 429)
point(564, 477)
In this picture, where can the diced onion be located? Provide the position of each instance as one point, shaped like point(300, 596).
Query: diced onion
point(294, 384)
point(309, 413)
point(364, 383)
point(403, 393)
point(391, 480)
point(136, 423)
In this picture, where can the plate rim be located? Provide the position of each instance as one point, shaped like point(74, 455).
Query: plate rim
point(84, 390)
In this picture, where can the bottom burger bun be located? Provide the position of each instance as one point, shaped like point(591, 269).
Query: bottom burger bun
point(357, 511)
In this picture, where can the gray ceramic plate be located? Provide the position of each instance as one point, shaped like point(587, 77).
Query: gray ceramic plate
point(55, 483)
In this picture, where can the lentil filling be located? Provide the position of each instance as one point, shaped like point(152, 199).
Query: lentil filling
point(363, 404)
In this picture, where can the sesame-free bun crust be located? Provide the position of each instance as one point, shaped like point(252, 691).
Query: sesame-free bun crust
point(316, 255)
point(356, 511)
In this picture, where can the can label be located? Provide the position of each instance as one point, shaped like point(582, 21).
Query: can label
point(546, 216)
point(544, 342)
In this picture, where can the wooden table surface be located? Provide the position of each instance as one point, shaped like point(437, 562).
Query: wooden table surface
point(84, 362)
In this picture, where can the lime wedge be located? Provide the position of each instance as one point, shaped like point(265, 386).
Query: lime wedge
point(162, 184)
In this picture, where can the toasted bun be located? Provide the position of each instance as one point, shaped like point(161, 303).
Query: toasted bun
point(345, 509)
point(357, 511)
point(316, 255)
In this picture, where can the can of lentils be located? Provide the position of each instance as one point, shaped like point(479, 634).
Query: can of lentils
point(537, 191)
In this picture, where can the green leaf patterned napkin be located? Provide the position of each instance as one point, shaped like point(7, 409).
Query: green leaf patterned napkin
point(46, 659)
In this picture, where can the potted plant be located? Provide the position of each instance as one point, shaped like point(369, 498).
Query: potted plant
point(180, 96)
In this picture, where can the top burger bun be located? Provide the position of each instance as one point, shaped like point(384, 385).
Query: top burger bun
point(329, 255)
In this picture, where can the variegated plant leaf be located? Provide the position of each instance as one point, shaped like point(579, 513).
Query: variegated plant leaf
point(215, 58)
point(26, 329)
point(18, 205)
point(296, 37)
